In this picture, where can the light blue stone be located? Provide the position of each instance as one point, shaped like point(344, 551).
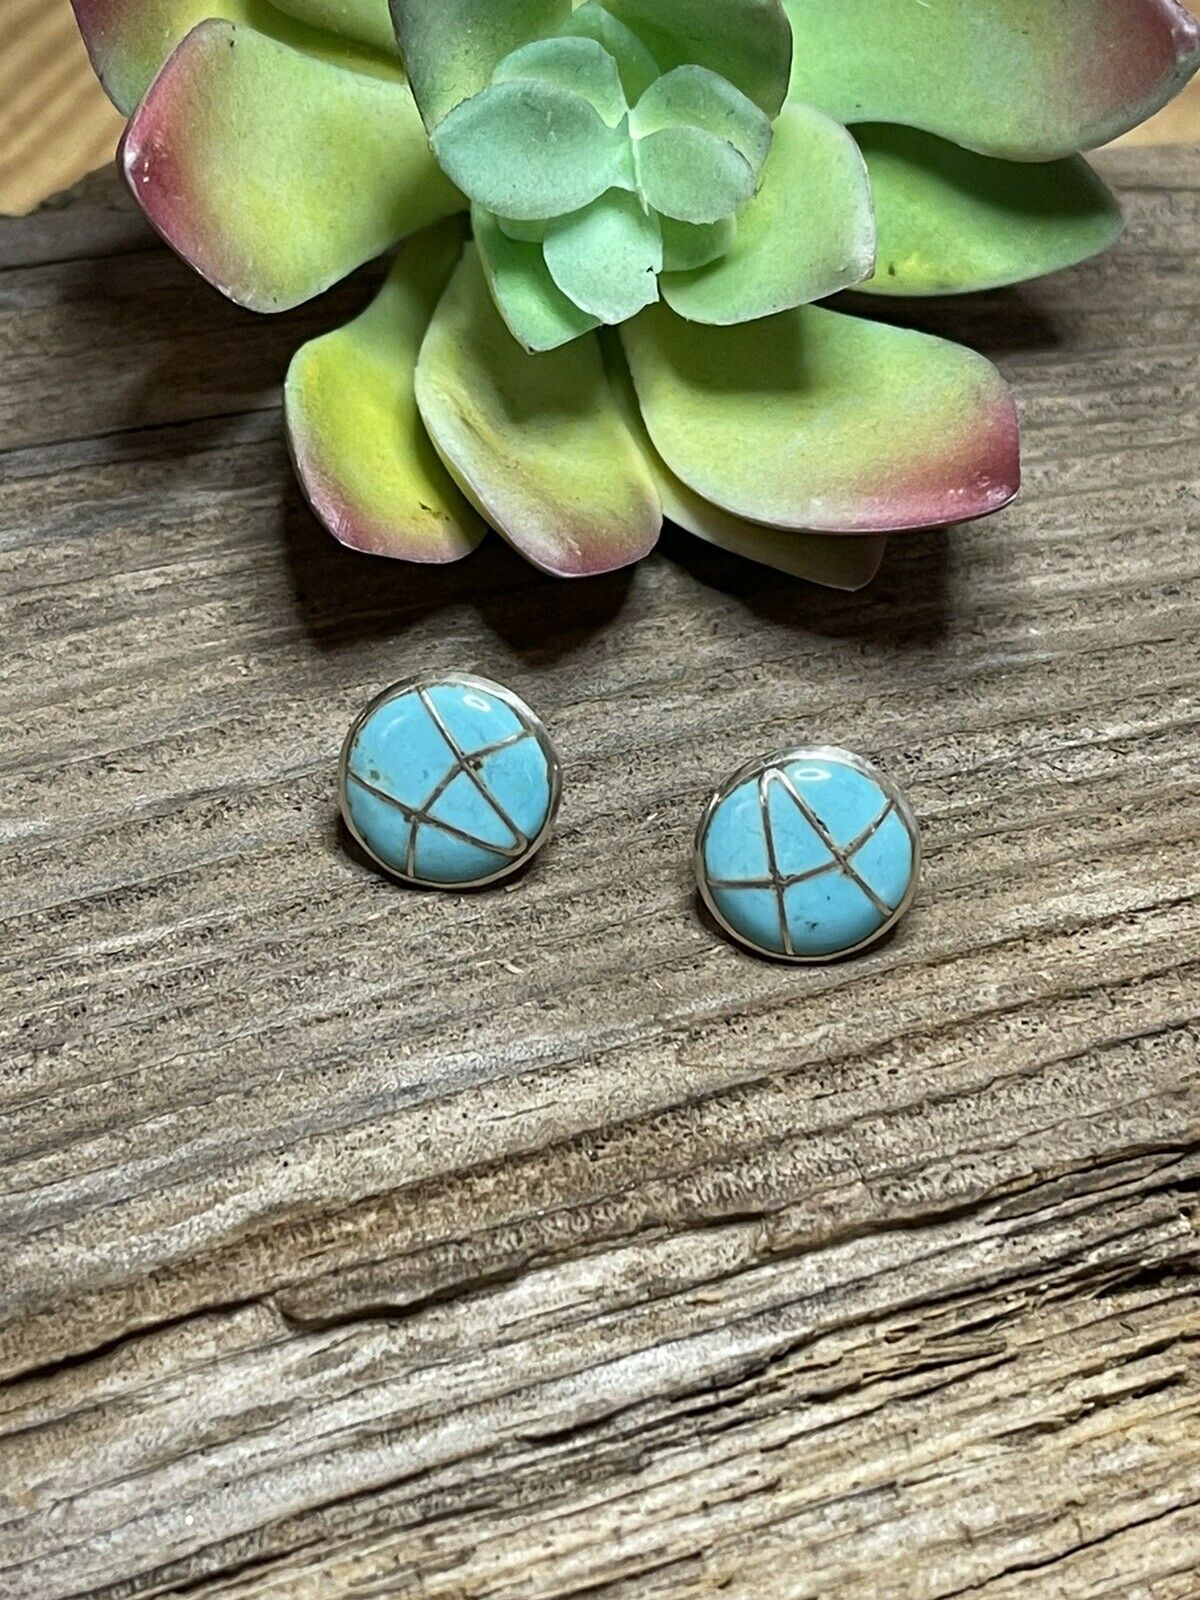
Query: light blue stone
point(443, 860)
point(755, 914)
point(404, 725)
point(383, 824)
point(886, 861)
point(735, 837)
point(449, 783)
point(829, 914)
point(475, 719)
point(467, 806)
point(519, 778)
point(844, 800)
point(797, 849)
point(809, 857)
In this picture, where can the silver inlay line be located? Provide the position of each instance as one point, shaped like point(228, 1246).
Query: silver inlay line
point(834, 864)
point(479, 756)
point(785, 933)
point(464, 764)
point(842, 857)
point(419, 818)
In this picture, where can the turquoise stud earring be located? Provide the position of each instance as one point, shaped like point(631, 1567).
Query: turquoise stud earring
point(449, 782)
point(808, 855)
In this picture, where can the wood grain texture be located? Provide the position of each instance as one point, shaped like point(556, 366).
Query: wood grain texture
point(540, 1244)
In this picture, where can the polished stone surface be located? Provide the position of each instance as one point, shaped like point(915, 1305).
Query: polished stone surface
point(449, 783)
point(808, 856)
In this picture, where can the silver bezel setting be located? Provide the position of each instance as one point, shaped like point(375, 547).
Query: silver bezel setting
point(533, 727)
point(760, 767)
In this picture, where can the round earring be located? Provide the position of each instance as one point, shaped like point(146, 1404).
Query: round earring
point(449, 782)
point(808, 855)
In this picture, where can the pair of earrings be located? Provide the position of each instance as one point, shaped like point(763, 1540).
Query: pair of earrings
point(452, 782)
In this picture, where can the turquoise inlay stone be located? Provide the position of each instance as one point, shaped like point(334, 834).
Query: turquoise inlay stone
point(808, 856)
point(450, 783)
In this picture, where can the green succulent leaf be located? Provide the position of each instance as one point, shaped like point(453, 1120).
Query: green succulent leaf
point(367, 20)
point(535, 310)
point(687, 245)
point(697, 98)
point(129, 40)
point(692, 175)
point(527, 232)
point(636, 65)
point(808, 233)
point(536, 443)
point(577, 64)
point(771, 146)
point(529, 150)
point(607, 258)
point(951, 221)
point(836, 560)
point(1030, 80)
point(275, 174)
point(825, 422)
point(361, 451)
point(749, 42)
point(452, 47)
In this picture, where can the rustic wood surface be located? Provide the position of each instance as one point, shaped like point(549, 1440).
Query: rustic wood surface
point(56, 122)
point(540, 1244)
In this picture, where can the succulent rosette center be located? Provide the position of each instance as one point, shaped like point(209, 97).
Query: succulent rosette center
point(582, 147)
point(696, 176)
point(615, 151)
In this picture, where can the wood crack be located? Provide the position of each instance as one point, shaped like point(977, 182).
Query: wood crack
point(1059, 1558)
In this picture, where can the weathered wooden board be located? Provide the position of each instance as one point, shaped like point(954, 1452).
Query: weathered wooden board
point(364, 1243)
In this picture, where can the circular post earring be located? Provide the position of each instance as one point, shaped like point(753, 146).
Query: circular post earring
point(449, 782)
point(808, 855)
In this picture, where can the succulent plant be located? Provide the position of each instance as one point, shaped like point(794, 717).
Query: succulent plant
point(614, 219)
